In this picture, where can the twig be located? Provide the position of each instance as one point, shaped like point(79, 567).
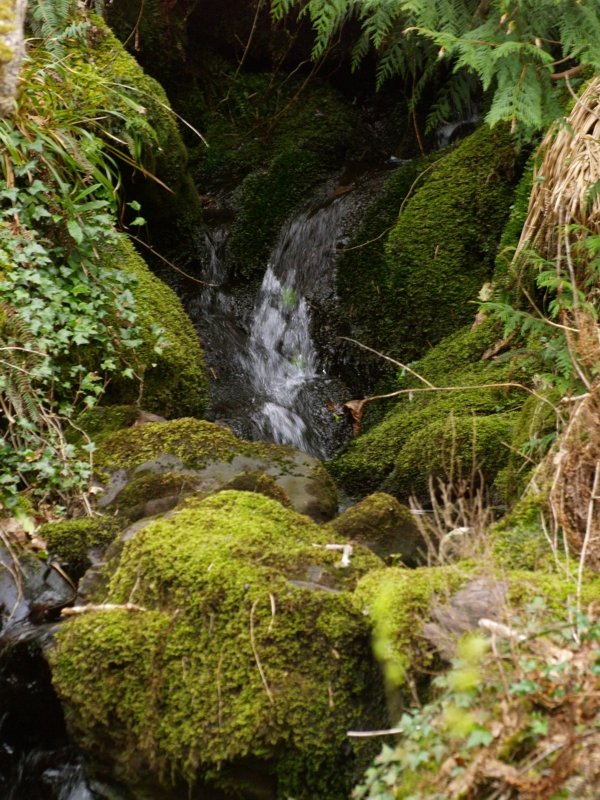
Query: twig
point(365, 734)
point(391, 360)
point(170, 263)
point(76, 610)
point(256, 658)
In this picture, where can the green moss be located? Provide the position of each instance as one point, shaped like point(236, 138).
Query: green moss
point(209, 456)
point(174, 383)
point(519, 539)
point(382, 524)
point(398, 602)
point(443, 246)
point(151, 487)
point(276, 139)
point(101, 421)
point(257, 481)
point(195, 442)
point(231, 581)
point(365, 301)
point(72, 540)
point(454, 448)
point(415, 438)
point(534, 431)
point(514, 225)
point(267, 198)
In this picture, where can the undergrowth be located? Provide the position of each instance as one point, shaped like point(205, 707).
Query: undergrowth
point(68, 322)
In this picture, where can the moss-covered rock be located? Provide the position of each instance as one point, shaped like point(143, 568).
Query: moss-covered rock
point(400, 603)
point(72, 540)
point(250, 657)
point(442, 248)
point(365, 300)
point(174, 383)
point(447, 434)
point(382, 524)
point(208, 457)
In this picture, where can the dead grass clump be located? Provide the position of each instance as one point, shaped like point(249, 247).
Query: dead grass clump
point(575, 493)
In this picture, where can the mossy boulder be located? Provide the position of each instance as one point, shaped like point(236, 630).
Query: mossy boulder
point(138, 464)
point(246, 669)
point(174, 382)
point(443, 246)
point(444, 434)
point(382, 524)
point(75, 541)
point(401, 603)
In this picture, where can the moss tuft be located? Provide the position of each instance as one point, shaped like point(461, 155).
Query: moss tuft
point(72, 540)
point(231, 582)
point(383, 525)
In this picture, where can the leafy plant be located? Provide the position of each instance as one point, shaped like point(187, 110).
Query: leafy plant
point(67, 316)
point(517, 715)
point(516, 49)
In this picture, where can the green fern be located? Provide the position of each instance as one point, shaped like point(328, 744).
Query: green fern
point(510, 48)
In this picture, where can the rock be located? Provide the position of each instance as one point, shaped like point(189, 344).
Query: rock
point(29, 589)
point(143, 464)
point(246, 670)
point(382, 524)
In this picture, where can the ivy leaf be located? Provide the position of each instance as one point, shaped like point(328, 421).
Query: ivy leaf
point(74, 229)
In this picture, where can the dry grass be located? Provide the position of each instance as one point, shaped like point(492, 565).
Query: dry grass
point(562, 182)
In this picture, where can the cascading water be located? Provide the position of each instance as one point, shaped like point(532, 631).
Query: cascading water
point(280, 358)
point(269, 379)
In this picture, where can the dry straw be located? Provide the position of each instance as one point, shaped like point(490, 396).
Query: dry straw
point(564, 209)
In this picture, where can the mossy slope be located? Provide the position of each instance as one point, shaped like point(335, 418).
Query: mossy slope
point(448, 435)
point(250, 652)
point(442, 248)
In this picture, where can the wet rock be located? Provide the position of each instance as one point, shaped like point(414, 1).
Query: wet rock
point(139, 466)
point(30, 589)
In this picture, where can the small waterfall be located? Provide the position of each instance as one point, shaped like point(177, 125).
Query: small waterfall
point(280, 359)
point(270, 349)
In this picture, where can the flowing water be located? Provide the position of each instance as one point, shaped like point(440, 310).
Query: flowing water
point(280, 358)
point(270, 378)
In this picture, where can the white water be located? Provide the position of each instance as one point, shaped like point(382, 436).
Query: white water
point(280, 359)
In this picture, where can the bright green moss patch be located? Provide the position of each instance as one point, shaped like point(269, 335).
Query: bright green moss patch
point(233, 581)
point(72, 540)
point(443, 246)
